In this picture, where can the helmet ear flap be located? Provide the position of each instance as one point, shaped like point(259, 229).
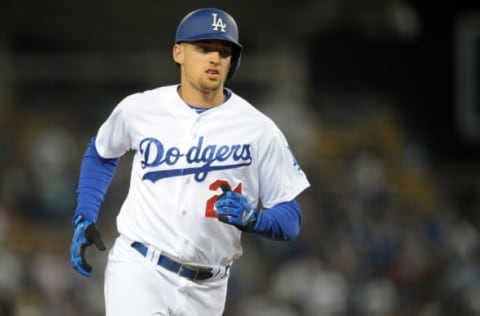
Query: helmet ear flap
point(235, 63)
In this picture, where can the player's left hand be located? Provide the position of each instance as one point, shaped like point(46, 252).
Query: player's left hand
point(234, 209)
point(84, 234)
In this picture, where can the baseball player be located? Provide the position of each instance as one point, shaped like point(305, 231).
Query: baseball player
point(208, 166)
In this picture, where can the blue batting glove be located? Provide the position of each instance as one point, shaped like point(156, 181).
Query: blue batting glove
point(234, 209)
point(84, 234)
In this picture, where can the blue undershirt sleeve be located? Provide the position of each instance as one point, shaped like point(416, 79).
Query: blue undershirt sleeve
point(280, 222)
point(96, 174)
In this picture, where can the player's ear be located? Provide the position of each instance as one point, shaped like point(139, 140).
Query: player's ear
point(177, 52)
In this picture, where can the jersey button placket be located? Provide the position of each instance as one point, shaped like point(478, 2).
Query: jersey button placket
point(193, 141)
point(195, 126)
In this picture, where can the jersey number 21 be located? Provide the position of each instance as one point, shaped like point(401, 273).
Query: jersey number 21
point(210, 205)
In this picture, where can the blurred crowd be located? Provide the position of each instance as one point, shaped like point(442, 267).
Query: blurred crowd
point(381, 234)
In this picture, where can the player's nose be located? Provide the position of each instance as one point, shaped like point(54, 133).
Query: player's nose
point(215, 56)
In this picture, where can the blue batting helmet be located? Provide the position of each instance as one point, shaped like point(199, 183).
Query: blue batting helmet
point(211, 24)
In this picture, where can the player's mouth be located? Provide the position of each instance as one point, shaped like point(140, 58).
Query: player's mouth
point(213, 73)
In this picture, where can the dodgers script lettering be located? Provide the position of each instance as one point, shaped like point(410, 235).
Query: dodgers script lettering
point(200, 159)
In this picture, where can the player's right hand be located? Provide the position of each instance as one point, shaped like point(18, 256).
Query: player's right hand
point(85, 233)
point(233, 208)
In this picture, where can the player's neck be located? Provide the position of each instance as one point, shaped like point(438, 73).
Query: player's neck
point(201, 98)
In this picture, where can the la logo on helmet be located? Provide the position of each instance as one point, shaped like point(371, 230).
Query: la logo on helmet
point(218, 23)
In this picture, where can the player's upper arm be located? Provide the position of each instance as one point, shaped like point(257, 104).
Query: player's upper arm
point(113, 140)
point(281, 177)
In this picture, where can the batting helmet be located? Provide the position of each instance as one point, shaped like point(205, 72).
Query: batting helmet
point(211, 24)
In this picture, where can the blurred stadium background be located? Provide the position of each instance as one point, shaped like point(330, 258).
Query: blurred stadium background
point(379, 99)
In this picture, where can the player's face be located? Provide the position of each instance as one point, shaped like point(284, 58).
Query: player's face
point(205, 64)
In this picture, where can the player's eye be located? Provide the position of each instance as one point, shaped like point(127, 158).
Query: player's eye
point(204, 49)
point(225, 52)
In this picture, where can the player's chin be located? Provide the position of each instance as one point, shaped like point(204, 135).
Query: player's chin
point(214, 81)
point(212, 85)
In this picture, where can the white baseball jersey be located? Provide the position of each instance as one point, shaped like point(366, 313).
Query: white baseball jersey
point(182, 157)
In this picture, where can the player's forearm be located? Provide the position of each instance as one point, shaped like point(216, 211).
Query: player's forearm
point(96, 174)
point(281, 222)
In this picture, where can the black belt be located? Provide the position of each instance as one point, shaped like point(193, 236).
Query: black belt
point(187, 271)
